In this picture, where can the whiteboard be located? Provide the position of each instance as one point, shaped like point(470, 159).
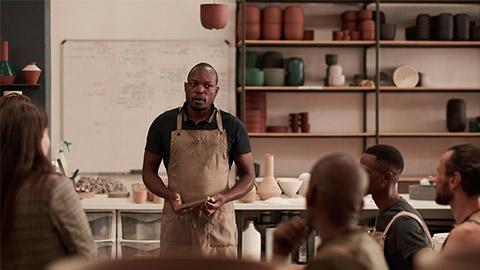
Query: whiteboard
point(113, 90)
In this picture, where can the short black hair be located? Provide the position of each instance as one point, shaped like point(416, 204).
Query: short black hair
point(204, 64)
point(387, 153)
point(465, 160)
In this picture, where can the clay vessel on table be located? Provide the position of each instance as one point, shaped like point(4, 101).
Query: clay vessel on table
point(269, 187)
point(139, 192)
point(214, 16)
point(250, 196)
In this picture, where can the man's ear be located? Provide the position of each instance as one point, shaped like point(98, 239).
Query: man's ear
point(455, 180)
point(387, 177)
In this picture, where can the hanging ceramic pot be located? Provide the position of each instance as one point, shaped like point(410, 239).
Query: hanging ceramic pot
point(269, 187)
point(7, 75)
point(214, 16)
point(31, 73)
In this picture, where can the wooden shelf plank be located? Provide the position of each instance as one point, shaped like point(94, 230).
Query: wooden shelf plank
point(429, 134)
point(311, 135)
point(429, 89)
point(286, 89)
point(19, 86)
point(428, 43)
point(310, 43)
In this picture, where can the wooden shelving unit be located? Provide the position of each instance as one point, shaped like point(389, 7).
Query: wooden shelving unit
point(19, 86)
point(428, 89)
point(309, 43)
point(312, 135)
point(295, 89)
point(429, 134)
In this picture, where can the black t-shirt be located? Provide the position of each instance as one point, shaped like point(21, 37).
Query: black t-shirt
point(159, 134)
point(405, 237)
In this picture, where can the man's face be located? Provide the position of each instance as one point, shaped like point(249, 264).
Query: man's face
point(375, 170)
point(201, 89)
point(443, 193)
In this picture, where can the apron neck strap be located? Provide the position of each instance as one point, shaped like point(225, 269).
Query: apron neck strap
point(181, 113)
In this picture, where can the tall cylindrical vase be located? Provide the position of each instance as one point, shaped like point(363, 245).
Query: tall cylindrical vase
point(7, 75)
point(269, 187)
point(456, 115)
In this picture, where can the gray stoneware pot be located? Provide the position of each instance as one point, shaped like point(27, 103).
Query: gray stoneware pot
point(274, 76)
point(388, 31)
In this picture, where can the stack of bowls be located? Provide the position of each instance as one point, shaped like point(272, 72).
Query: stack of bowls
point(256, 112)
point(272, 17)
point(349, 26)
point(293, 22)
point(366, 24)
point(462, 27)
point(252, 23)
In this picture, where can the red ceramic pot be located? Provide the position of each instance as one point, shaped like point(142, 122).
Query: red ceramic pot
point(31, 73)
point(305, 128)
point(214, 16)
point(368, 35)
point(346, 35)
point(366, 25)
point(349, 16)
point(293, 14)
point(364, 14)
point(252, 14)
point(272, 14)
point(293, 31)
point(337, 35)
point(253, 31)
point(355, 35)
point(351, 26)
point(307, 34)
point(304, 118)
point(271, 31)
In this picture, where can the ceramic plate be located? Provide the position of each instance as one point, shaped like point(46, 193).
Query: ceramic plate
point(405, 76)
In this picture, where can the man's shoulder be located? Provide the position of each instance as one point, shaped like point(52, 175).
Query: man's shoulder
point(229, 118)
point(466, 232)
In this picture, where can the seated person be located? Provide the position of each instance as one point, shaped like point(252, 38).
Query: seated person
point(42, 219)
point(334, 203)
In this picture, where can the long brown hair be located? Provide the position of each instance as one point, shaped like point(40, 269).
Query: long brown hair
point(22, 126)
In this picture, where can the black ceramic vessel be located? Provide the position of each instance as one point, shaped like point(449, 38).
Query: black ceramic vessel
point(272, 59)
point(388, 31)
point(456, 115)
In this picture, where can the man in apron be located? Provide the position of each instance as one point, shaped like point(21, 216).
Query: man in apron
point(458, 185)
point(198, 143)
point(399, 228)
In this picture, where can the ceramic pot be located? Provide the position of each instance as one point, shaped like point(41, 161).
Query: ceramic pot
point(255, 77)
point(336, 80)
point(252, 23)
point(269, 187)
point(366, 25)
point(31, 73)
point(335, 70)
point(272, 14)
point(139, 193)
point(253, 31)
point(337, 35)
point(349, 16)
point(293, 31)
point(214, 16)
point(410, 33)
point(443, 33)
point(355, 35)
point(251, 243)
point(295, 71)
point(368, 35)
point(271, 31)
point(157, 199)
point(272, 59)
point(274, 76)
point(461, 34)
point(252, 14)
point(346, 35)
point(308, 34)
point(388, 31)
point(305, 128)
point(290, 186)
point(303, 118)
point(382, 16)
point(421, 33)
point(7, 75)
point(456, 115)
point(365, 14)
point(250, 196)
point(331, 59)
point(443, 20)
point(461, 20)
point(351, 26)
point(294, 122)
point(423, 21)
point(293, 14)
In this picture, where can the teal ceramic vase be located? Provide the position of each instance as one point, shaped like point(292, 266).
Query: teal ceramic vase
point(295, 71)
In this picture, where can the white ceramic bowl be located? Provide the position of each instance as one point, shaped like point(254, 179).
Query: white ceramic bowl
point(405, 76)
point(290, 188)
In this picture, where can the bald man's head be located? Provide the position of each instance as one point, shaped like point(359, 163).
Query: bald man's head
point(337, 187)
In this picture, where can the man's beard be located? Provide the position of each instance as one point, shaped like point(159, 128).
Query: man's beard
point(444, 196)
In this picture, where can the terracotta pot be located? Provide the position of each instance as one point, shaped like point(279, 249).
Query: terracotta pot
point(308, 34)
point(303, 118)
point(366, 25)
point(337, 35)
point(252, 15)
point(7, 75)
point(293, 14)
point(346, 35)
point(349, 16)
point(271, 31)
point(269, 187)
point(214, 16)
point(294, 122)
point(305, 128)
point(272, 14)
point(355, 35)
point(293, 31)
point(368, 35)
point(31, 73)
point(351, 26)
point(365, 14)
point(253, 31)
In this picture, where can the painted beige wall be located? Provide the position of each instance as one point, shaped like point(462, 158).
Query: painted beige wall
point(330, 112)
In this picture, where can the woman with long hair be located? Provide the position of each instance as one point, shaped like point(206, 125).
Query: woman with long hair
point(42, 219)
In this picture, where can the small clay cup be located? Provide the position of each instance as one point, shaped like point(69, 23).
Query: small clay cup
point(355, 35)
point(388, 31)
point(303, 118)
point(139, 192)
point(294, 122)
point(307, 34)
point(305, 128)
point(214, 16)
point(337, 35)
point(346, 35)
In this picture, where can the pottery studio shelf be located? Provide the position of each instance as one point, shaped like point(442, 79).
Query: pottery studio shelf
point(362, 43)
point(369, 1)
point(429, 43)
point(428, 89)
point(19, 86)
point(307, 89)
point(363, 134)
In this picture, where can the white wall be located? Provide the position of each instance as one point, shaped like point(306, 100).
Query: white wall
point(333, 112)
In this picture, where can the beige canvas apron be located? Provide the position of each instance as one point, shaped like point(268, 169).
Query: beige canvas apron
point(198, 168)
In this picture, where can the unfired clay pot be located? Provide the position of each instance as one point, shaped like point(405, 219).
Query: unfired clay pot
point(250, 196)
point(214, 16)
point(269, 187)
